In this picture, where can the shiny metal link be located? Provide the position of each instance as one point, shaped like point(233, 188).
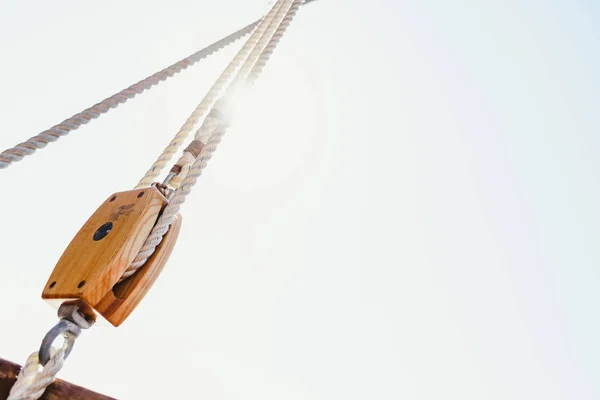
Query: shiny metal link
point(71, 323)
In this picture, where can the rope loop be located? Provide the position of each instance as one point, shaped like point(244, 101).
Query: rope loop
point(34, 379)
point(42, 366)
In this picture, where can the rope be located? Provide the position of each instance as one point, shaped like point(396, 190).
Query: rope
point(32, 382)
point(186, 160)
point(266, 27)
point(40, 141)
point(215, 127)
point(208, 100)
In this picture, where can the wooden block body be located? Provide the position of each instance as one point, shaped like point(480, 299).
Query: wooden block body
point(125, 296)
point(104, 247)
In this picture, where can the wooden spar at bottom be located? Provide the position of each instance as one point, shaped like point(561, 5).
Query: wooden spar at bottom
point(59, 390)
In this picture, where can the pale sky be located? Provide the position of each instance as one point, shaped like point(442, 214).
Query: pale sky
point(408, 209)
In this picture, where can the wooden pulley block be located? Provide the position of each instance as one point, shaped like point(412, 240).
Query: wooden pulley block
point(89, 270)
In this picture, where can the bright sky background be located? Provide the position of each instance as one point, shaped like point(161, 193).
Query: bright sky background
point(409, 210)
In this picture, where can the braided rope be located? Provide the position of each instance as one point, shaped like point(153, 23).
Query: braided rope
point(200, 111)
point(216, 126)
point(32, 382)
point(39, 141)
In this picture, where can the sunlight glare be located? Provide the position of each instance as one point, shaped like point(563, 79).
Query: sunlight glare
point(267, 116)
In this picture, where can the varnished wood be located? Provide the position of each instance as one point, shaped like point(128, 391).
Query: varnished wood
point(59, 390)
point(89, 269)
point(125, 296)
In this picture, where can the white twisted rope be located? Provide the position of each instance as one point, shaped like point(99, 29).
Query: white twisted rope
point(208, 100)
point(39, 141)
point(33, 381)
point(266, 27)
point(214, 126)
point(186, 160)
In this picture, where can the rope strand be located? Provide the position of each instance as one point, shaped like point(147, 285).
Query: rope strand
point(215, 126)
point(200, 111)
point(32, 382)
point(210, 123)
point(202, 135)
point(42, 139)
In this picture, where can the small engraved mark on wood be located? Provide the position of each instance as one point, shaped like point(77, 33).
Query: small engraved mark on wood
point(122, 210)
